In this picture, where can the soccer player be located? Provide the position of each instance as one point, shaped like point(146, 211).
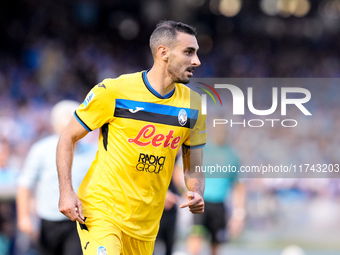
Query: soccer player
point(144, 118)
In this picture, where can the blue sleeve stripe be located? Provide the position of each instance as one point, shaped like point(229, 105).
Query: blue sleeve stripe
point(81, 122)
point(194, 146)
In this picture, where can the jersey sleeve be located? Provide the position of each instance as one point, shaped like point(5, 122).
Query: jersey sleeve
point(198, 130)
point(98, 107)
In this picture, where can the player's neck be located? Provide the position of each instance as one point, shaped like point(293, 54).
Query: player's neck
point(160, 81)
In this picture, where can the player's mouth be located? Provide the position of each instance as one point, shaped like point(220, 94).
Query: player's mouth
point(190, 70)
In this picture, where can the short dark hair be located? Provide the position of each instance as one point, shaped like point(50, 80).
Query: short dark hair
point(166, 32)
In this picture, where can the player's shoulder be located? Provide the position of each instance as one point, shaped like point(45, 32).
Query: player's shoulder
point(121, 80)
point(187, 90)
point(136, 75)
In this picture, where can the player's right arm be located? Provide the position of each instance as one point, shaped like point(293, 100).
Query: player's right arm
point(69, 204)
point(29, 175)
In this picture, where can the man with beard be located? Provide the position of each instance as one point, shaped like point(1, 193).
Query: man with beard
point(144, 118)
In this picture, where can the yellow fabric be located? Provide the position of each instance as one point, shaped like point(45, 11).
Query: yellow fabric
point(102, 235)
point(140, 136)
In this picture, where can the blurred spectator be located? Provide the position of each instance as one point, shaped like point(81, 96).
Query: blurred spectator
point(224, 194)
point(8, 174)
point(8, 178)
point(39, 181)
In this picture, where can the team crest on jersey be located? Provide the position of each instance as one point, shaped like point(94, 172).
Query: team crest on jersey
point(88, 99)
point(182, 117)
point(101, 250)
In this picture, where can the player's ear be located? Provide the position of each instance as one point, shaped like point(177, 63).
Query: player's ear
point(163, 52)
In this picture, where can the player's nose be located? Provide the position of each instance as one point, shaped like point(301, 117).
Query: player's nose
point(195, 61)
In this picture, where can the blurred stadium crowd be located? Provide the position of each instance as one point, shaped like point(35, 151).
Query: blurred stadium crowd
point(53, 50)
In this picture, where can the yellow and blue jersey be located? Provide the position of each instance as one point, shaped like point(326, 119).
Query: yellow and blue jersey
point(141, 133)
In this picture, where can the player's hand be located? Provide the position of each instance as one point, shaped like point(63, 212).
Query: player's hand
point(25, 225)
point(235, 227)
point(71, 206)
point(195, 203)
point(236, 223)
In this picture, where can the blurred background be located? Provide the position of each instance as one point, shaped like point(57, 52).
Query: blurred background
point(54, 50)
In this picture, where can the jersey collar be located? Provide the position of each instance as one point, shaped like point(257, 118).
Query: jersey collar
point(152, 90)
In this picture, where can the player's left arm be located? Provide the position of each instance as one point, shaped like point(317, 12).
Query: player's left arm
point(195, 181)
